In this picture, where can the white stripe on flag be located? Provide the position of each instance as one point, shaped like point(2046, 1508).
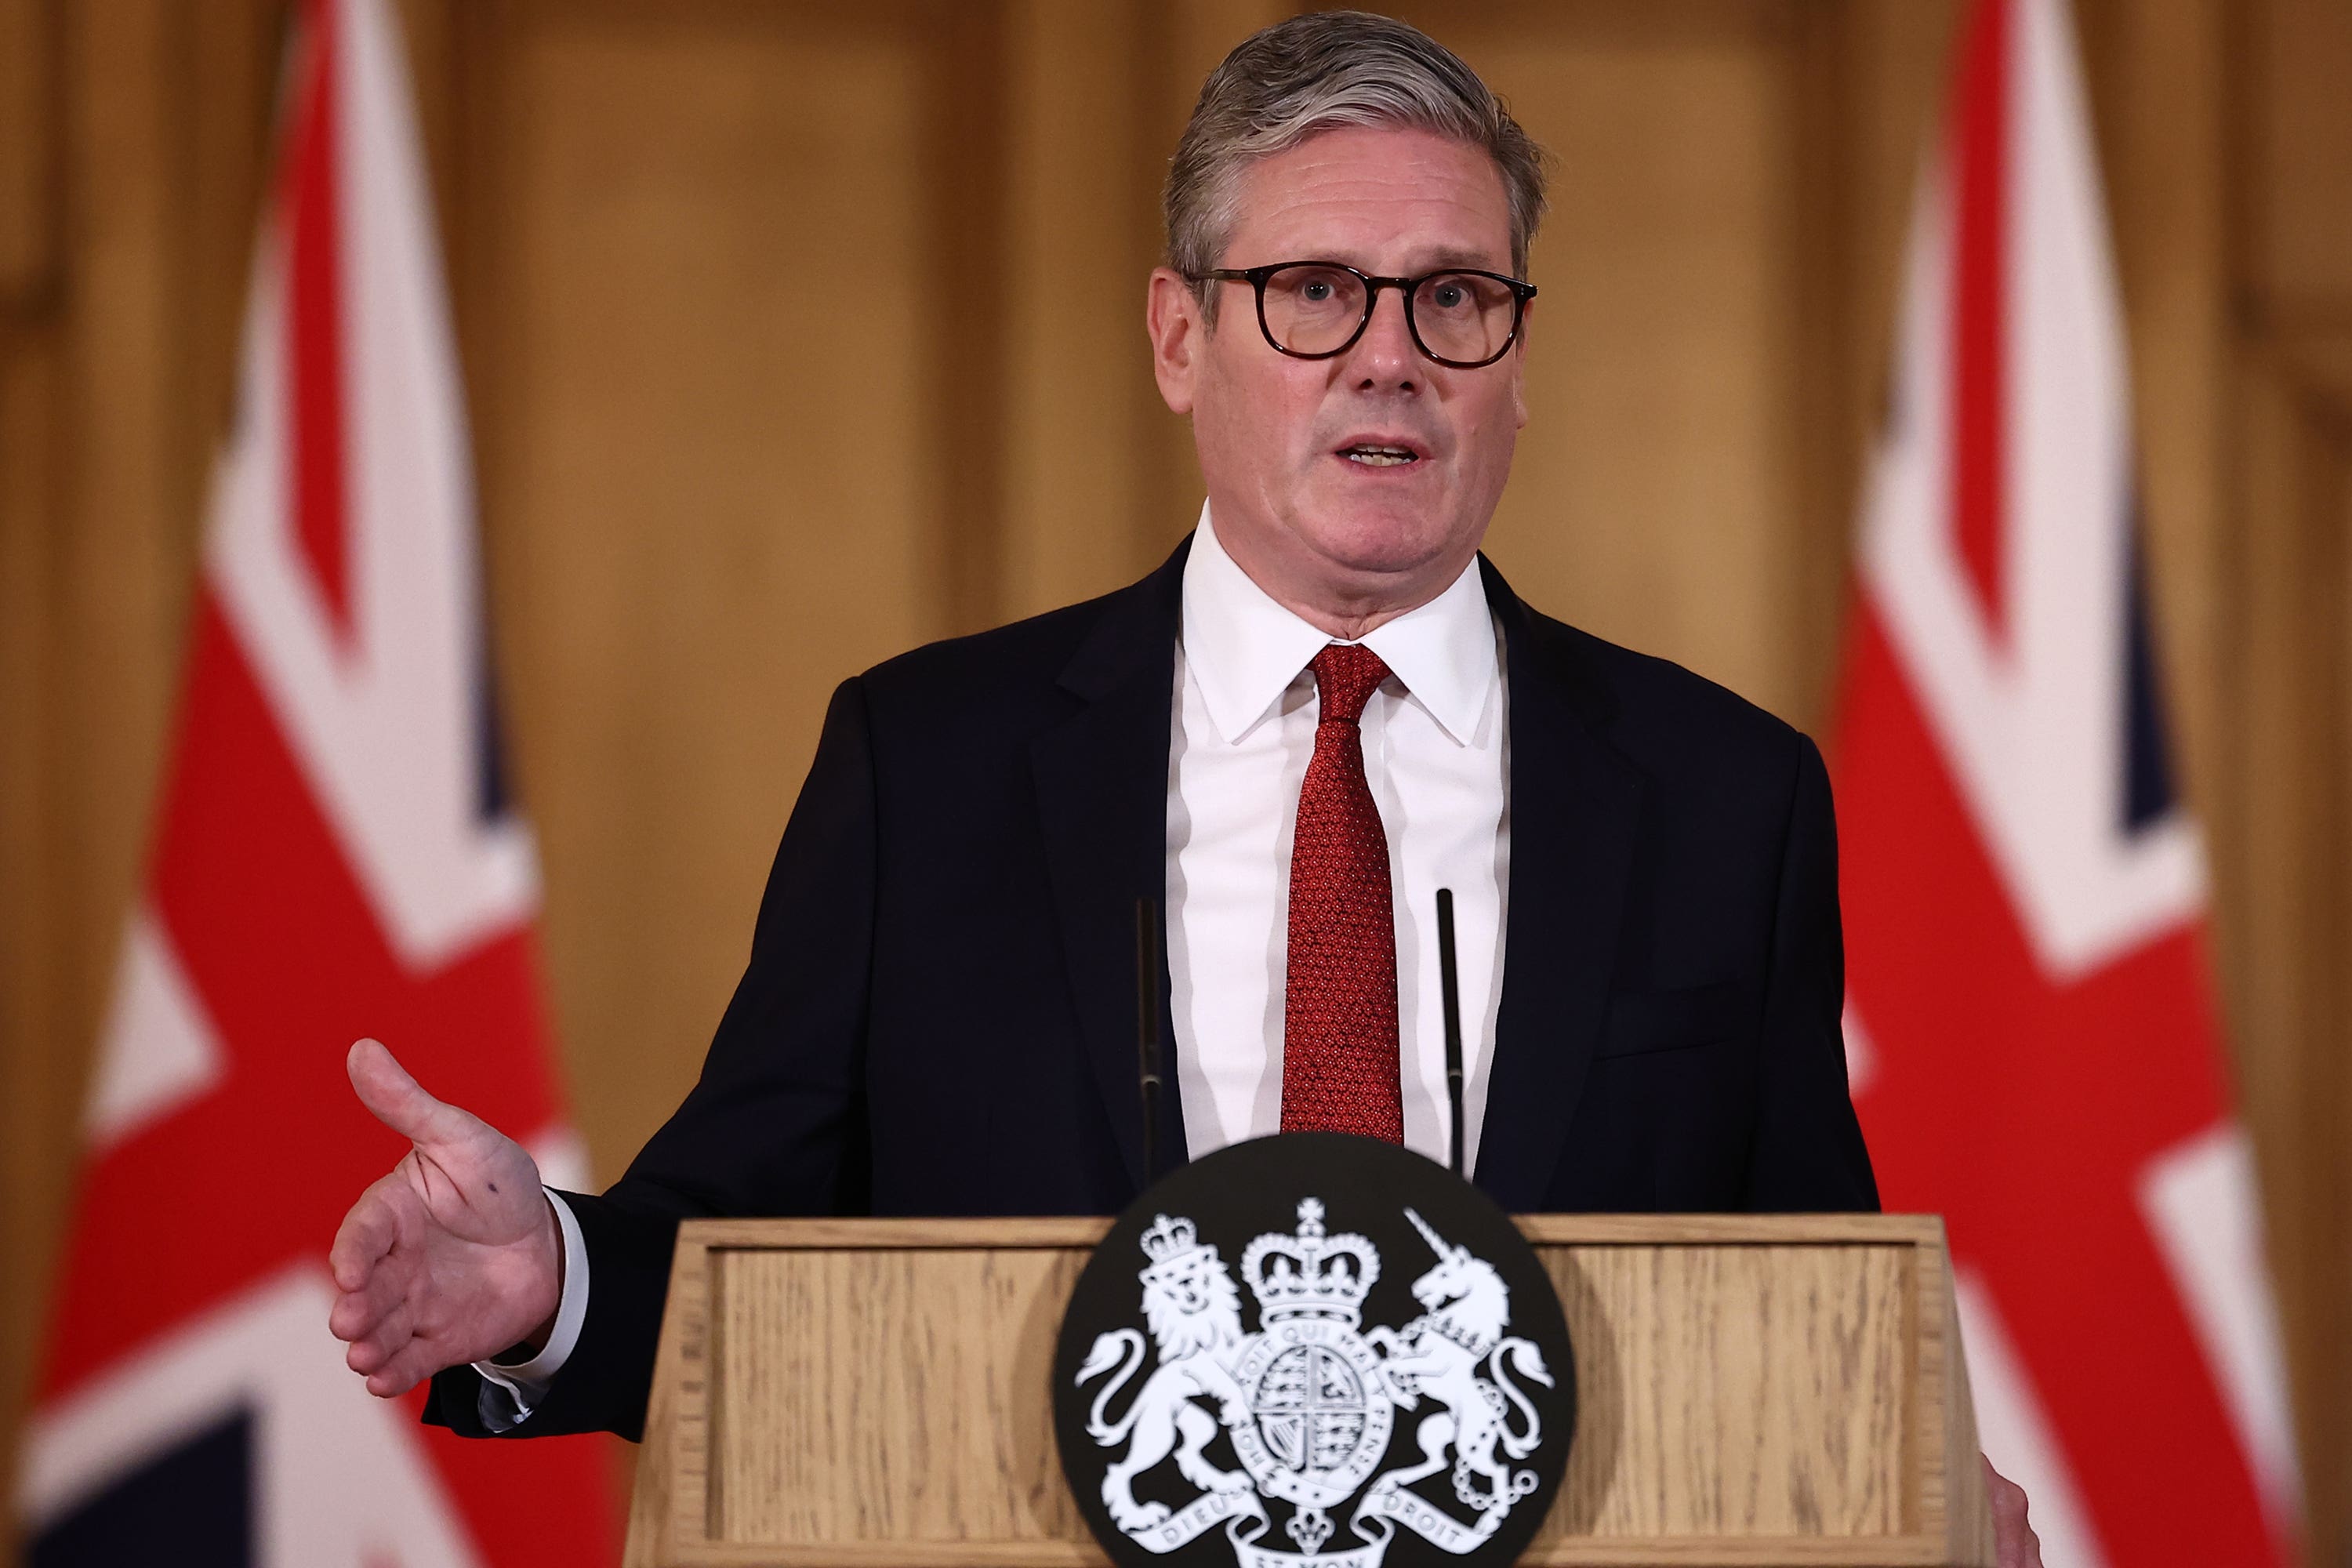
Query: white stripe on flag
point(158, 1046)
point(562, 1156)
point(2028, 719)
point(2201, 1203)
point(2015, 1431)
point(386, 730)
point(1861, 1057)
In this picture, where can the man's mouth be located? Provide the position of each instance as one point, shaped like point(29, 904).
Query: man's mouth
point(1379, 456)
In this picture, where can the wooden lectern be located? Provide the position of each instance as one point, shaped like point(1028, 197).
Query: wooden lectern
point(873, 1394)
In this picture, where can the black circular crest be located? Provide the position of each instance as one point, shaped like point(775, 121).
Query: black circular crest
point(1314, 1351)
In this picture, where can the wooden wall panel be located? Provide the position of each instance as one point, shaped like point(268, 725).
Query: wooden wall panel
point(2284, 670)
point(113, 311)
point(1089, 457)
point(712, 468)
point(2290, 841)
point(34, 1068)
point(1100, 478)
point(1652, 497)
point(2296, 220)
point(27, 216)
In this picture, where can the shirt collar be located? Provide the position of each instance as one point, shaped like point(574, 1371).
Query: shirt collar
point(1244, 649)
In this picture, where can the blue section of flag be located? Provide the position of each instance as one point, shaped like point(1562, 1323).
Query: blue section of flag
point(491, 797)
point(191, 1507)
point(2147, 764)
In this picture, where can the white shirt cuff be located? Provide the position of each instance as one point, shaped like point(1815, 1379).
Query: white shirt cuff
point(510, 1392)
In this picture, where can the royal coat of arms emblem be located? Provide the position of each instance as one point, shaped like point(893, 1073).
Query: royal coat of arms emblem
point(1313, 1424)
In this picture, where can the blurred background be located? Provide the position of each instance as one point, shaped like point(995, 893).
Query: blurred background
point(798, 334)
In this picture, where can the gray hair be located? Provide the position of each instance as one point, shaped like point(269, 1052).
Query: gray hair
point(1323, 71)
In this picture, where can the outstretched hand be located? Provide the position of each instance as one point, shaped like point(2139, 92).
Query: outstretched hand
point(452, 1257)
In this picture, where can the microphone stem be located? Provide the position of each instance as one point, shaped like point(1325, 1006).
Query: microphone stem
point(1450, 980)
point(1147, 1029)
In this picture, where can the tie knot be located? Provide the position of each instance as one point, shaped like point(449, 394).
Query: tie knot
point(1346, 676)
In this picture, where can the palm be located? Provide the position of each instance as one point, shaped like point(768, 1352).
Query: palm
point(450, 1258)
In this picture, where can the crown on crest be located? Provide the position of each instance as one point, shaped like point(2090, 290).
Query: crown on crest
point(1310, 1274)
point(1169, 1240)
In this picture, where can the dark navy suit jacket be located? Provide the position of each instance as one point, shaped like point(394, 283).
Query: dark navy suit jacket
point(939, 1014)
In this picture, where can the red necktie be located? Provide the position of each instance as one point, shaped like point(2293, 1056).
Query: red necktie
point(1340, 1008)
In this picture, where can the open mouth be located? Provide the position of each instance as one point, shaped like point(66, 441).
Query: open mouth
point(1372, 455)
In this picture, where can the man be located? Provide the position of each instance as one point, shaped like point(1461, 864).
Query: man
point(1324, 708)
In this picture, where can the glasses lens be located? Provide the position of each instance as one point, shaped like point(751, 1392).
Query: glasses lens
point(1464, 316)
point(1312, 310)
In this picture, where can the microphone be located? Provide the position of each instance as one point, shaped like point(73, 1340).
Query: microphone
point(1147, 1028)
point(1452, 984)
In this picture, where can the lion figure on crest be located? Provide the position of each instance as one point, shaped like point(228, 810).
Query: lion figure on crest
point(1457, 1354)
point(1194, 1313)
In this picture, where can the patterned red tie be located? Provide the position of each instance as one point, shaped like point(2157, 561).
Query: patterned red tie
point(1339, 1009)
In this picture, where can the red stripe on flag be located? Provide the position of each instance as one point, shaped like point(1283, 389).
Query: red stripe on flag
point(1979, 316)
point(542, 1502)
point(314, 338)
point(281, 944)
point(2029, 1111)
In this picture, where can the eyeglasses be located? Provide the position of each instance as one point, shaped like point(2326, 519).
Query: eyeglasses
point(1315, 309)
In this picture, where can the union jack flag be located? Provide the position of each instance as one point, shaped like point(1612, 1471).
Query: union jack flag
point(334, 856)
point(2031, 1028)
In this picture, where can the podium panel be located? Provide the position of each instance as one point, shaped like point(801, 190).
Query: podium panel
point(1752, 1390)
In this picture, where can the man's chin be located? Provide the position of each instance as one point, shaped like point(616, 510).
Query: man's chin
point(1378, 543)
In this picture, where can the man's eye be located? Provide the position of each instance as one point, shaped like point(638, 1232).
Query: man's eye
point(1317, 291)
point(1448, 296)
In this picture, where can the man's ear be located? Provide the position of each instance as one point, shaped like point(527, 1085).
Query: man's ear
point(1171, 316)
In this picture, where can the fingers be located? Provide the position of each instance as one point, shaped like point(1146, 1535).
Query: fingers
point(406, 1369)
point(400, 1102)
point(364, 1237)
point(372, 1350)
point(356, 1313)
point(392, 1385)
point(399, 1352)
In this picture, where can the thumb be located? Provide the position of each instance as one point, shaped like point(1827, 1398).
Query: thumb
point(398, 1100)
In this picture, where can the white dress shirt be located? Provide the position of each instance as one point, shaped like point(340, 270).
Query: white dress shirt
point(1435, 738)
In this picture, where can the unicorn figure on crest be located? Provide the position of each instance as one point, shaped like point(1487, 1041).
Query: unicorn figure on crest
point(1457, 1354)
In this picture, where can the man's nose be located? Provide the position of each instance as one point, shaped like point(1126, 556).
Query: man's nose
point(1384, 357)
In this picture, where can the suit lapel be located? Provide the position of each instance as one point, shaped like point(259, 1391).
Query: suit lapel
point(1575, 808)
point(1102, 797)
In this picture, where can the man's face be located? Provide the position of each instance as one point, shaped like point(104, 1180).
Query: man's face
point(1296, 500)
